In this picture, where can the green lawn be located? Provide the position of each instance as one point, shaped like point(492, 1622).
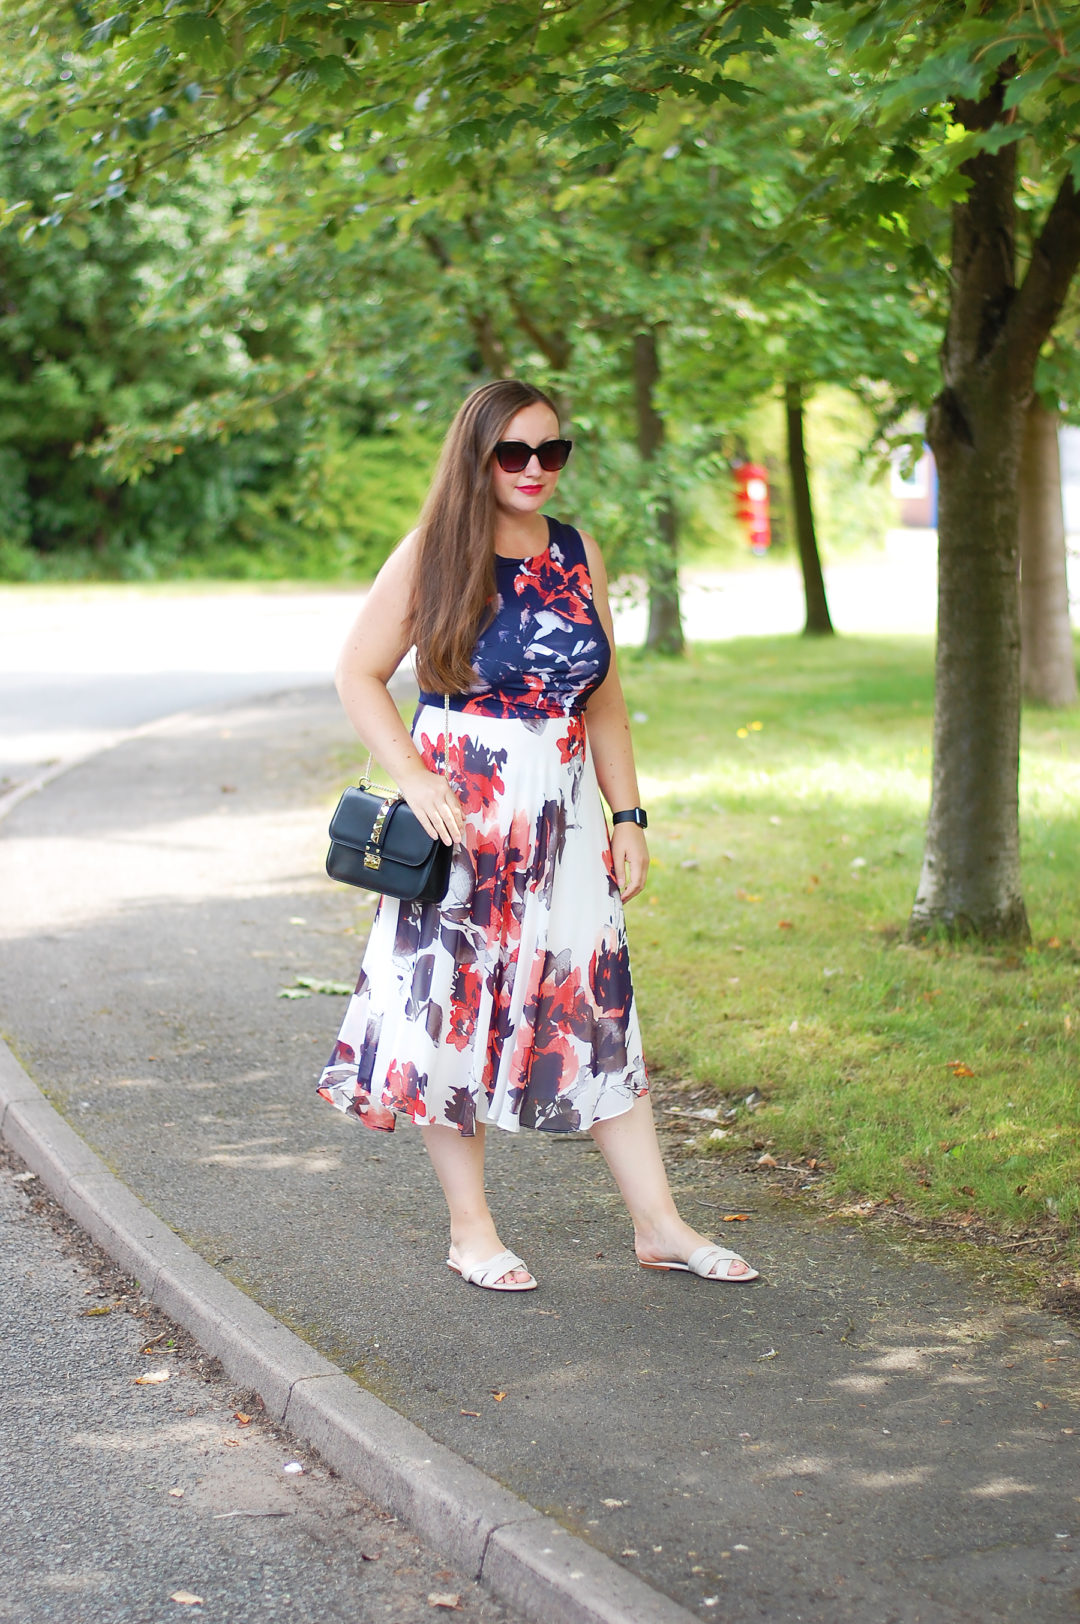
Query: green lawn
point(787, 783)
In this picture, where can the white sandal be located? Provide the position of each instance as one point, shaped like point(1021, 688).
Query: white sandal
point(490, 1274)
point(704, 1261)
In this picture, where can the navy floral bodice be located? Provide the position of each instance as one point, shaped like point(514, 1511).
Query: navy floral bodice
point(545, 651)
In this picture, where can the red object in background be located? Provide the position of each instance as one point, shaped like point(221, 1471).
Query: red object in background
point(752, 504)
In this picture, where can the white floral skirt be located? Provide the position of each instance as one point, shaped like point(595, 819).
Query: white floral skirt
point(510, 1001)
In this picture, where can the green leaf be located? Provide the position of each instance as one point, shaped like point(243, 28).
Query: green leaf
point(116, 26)
point(336, 989)
point(201, 37)
point(1030, 82)
point(331, 72)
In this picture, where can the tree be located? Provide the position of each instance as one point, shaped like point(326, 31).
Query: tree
point(972, 109)
point(818, 621)
point(73, 358)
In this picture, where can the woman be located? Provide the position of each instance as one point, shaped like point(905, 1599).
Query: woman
point(510, 1002)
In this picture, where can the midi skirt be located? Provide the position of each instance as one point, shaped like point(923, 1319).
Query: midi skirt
point(510, 1002)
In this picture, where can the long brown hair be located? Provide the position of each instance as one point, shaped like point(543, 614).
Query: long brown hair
point(454, 584)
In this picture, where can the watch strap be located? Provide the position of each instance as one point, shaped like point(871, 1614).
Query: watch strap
point(635, 814)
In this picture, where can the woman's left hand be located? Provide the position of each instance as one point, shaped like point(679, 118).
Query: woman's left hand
point(630, 855)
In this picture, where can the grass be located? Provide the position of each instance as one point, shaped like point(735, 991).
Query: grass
point(788, 783)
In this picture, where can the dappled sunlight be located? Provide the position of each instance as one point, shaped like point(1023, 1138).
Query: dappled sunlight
point(49, 883)
point(68, 1583)
point(859, 1382)
point(802, 1466)
point(802, 783)
point(191, 1430)
point(903, 1358)
point(832, 1469)
point(1000, 1487)
point(270, 1162)
point(909, 1477)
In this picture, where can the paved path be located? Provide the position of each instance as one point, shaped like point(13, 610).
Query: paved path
point(873, 1435)
point(117, 1496)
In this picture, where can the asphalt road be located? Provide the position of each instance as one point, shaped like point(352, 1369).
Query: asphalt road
point(876, 1434)
point(120, 1496)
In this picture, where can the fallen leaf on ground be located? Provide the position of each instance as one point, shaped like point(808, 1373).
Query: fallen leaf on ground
point(150, 1378)
point(785, 924)
point(177, 1494)
point(474, 1413)
point(959, 1069)
point(186, 1598)
point(498, 1397)
point(339, 989)
point(737, 1218)
point(154, 1340)
point(444, 1598)
point(613, 1503)
point(231, 1443)
point(105, 1308)
point(244, 1420)
point(767, 1161)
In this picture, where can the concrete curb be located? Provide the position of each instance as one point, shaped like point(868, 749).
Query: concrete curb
point(525, 1558)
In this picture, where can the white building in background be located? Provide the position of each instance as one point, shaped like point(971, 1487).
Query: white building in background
point(914, 543)
point(916, 493)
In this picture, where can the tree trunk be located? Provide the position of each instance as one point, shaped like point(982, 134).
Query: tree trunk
point(1047, 659)
point(665, 632)
point(818, 622)
point(970, 882)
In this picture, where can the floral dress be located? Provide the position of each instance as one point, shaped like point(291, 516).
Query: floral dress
point(510, 1002)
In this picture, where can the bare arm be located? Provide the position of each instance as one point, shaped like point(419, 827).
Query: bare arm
point(608, 726)
point(377, 643)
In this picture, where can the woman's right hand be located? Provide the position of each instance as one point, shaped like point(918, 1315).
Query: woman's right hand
point(436, 806)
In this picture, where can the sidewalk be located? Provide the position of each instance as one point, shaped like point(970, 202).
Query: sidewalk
point(119, 1495)
point(874, 1434)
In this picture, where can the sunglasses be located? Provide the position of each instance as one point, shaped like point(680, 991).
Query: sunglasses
point(514, 456)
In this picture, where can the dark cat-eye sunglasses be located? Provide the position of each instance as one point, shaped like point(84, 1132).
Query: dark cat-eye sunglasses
point(514, 456)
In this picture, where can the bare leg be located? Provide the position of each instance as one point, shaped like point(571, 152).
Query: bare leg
point(459, 1162)
point(629, 1146)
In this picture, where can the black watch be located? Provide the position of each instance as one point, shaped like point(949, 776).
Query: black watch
point(636, 815)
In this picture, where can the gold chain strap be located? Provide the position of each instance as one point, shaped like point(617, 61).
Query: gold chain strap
point(381, 789)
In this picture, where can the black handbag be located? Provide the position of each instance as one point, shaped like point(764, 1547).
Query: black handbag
point(378, 843)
